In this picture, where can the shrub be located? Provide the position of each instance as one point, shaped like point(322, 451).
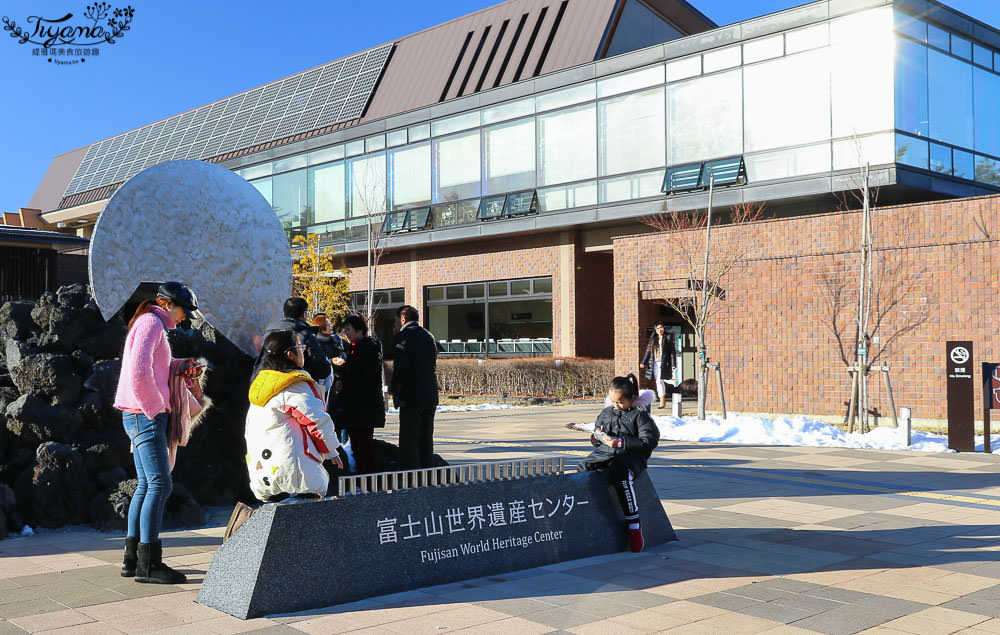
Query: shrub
point(526, 377)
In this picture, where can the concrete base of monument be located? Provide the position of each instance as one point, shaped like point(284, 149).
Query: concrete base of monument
point(299, 555)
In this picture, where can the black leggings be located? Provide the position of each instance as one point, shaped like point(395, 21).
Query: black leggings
point(621, 478)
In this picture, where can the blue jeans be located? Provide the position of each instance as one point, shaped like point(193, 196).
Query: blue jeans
point(152, 466)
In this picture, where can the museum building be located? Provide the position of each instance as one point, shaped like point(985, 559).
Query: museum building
point(508, 157)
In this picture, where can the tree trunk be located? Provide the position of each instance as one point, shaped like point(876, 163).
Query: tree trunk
point(702, 385)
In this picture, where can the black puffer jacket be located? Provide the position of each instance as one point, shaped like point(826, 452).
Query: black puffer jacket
point(636, 429)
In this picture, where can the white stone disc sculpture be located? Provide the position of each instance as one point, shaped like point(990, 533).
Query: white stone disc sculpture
point(202, 224)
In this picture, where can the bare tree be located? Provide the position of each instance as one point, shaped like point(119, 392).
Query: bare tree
point(370, 197)
point(889, 290)
point(707, 269)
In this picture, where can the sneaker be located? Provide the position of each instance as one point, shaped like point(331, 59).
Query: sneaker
point(241, 513)
point(635, 542)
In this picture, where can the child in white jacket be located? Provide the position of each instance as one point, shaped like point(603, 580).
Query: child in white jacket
point(288, 432)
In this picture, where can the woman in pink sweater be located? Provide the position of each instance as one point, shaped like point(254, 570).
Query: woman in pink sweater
point(143, 396)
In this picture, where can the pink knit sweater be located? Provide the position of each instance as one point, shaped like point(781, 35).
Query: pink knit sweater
point(144, 383)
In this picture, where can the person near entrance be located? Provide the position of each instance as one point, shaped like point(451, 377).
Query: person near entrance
point(414, 388)
point(659, 360)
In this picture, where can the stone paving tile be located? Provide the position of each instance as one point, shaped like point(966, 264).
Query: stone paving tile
point(809, 604)
point(515, 607)
point(560, 617)
point(29, 607)
point(725, 600)
point(776, 612)
point(983, 602)
point(55, 619)
point(506, 627)
point(6, 628)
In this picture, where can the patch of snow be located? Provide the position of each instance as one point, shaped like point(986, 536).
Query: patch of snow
point(794, 431)
point(478, 406)
point(25, 531)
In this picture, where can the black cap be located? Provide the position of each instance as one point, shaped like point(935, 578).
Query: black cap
point(179, 294)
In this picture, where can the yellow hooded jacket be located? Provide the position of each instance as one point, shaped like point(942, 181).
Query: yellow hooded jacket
point(288, 434)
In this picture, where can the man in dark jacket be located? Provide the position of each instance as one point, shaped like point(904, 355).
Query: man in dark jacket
point(317, 364)
point(414, 388)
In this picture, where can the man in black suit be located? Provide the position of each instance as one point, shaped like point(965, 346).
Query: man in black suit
point(414, 389)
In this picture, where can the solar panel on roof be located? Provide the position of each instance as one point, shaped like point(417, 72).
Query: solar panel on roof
point(306, 101)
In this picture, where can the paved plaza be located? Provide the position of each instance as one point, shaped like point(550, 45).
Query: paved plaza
point(772, 540)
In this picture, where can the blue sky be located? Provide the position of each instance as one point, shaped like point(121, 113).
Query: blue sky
point(182, 54)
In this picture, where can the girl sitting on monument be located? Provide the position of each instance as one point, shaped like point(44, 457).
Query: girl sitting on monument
point(288, 431)
point(624, 438)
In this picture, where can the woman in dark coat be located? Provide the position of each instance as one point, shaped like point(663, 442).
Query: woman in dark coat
point(361, 392)
point(660, 360)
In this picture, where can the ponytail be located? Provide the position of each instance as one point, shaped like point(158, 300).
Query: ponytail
point(627, 385)
point(145, 307)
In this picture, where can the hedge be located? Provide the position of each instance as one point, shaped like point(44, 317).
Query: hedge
point(526, 377)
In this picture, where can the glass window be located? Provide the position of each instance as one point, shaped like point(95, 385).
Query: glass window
point(964, 164)
point(456, 167)
point(780, 111)
point(982, 56)
point(521, 319)
point(940, 159)
point(808, 38)
point(911, 26)
point(512, 110)
point(410, 168)
point(435, 293)
point(455, 124)
point(368, 192)
point(630, 81)
point(256, 171)
point(454, 324)
point(520, 287)
point(876, 149)
point(632, 186)
point(632, 132)
point(638, 27)
point(781, 164)
point(375, 143)
point(510, 157)
point(765, 48)
point(498, 289)
point(938, 37)
point(722, 59)
point(567, 196)
point(713, 101)
point(288, 164)
point(996, 61)
point(912, 151)
point(565, 97)
point(419, 132)
point(911, 88)
point(455, 292)
point(455, 213)
point(950, 103)
point(987, 170)
point(289, 197)
point(264, 187)
point(354, 148)
point(862, 40)
point(475, 291)
point(329, 193)
point(325, 155)
point(543, 285)
point(683, 69)
point(396, 138)
point(567, 145)
point(961, 47)
point(396, 296)
point(987, 125)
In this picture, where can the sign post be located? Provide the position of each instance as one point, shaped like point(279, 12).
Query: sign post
point(958, 364)
point(991, 399)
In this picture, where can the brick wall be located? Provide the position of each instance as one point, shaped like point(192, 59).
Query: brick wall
point(776, 352)
point(549, 254)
